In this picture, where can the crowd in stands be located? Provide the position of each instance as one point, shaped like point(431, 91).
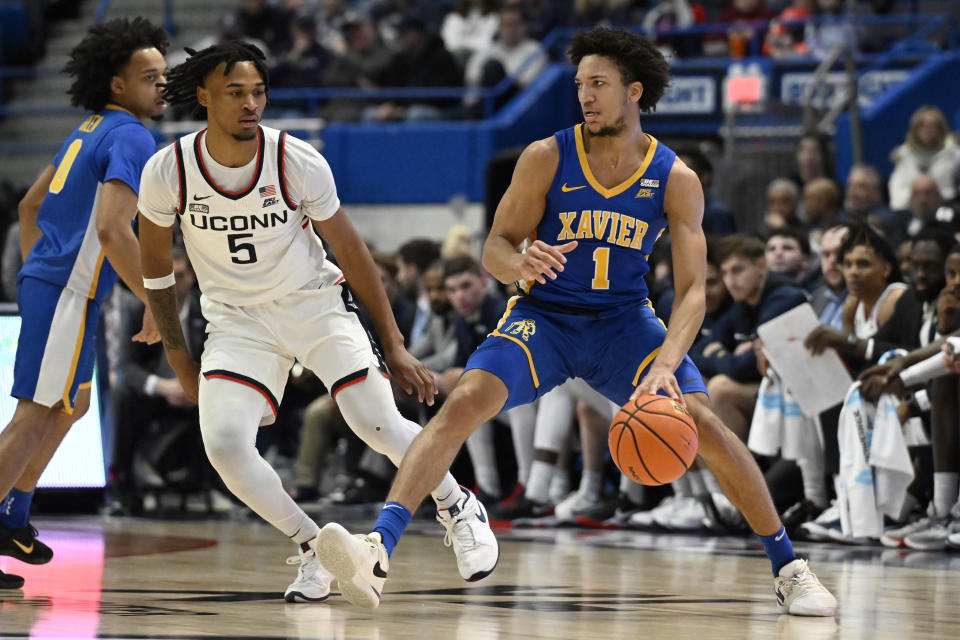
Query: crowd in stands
point(477, 44)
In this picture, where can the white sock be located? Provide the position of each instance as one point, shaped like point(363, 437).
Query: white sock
point(945, 487)
point(631, 489)
point(591, 483)
point(484, 459)
point(559, 485)
point(537, 488)
point(447, 494)
point(522, 420)
point(307, 529)
point(681, 486)
point(814, 480)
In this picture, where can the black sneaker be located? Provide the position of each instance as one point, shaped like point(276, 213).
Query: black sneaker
point(521, 509)
point(10, 581)
point(23, 545)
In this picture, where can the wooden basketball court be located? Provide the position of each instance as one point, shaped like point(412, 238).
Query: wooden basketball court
point(135, 578)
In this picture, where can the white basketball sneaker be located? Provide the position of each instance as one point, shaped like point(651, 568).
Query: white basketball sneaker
point(313, 581)
point(468, 530)
point(358, 562)
point(800, 593)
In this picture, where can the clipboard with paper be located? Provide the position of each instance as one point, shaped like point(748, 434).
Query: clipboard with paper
point(816, 382)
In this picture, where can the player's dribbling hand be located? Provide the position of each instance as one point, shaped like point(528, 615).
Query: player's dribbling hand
point(658, 379)
point(149, 332)
point(541, 260)
point(406, 370)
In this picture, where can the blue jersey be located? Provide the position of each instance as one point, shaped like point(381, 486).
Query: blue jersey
point(111, 144)
point(615, 228)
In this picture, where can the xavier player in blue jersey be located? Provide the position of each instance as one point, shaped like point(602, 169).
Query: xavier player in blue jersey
point(594, 198)
point(76, 237)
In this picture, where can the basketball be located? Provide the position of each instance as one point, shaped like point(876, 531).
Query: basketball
point(653, 440)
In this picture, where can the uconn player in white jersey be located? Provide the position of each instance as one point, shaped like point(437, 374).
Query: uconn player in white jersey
point(251, 202)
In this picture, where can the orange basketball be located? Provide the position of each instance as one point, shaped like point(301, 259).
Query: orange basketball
point(653, 440)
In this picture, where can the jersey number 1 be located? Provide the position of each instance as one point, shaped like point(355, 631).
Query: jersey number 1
point(237, 247)
point(601, 264)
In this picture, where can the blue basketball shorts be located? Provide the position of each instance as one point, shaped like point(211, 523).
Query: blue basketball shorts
point(537, 347)
point(57, 345)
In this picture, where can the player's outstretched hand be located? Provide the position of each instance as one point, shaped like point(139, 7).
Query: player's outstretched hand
point(149, 332)
point(659, 379)
point(541, 260)
point(409, 372)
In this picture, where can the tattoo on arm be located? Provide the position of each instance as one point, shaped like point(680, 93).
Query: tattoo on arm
point(163, 305)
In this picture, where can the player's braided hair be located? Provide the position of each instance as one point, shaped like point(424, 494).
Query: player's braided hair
point(635, 56)
point(103, 53)
point(183, 79)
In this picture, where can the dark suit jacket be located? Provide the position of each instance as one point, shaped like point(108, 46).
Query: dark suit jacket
point(470, 333)
point(136, 361)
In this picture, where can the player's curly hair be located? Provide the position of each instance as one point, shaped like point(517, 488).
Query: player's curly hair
point(635, 56)
point(103, 53)
point(183, 79)
point(862, 234)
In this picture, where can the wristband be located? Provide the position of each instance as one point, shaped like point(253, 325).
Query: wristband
point(923, 371)
point(922, 398)
point(165, 282)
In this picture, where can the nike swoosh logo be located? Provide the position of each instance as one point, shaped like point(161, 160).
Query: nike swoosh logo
point(566, 189)
point(196, 197)
point(377, 571)
point(779, 597)
point(481, 516)
point(780, 537)
point(27, 550)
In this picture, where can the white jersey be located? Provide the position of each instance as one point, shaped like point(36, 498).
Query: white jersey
point(247, 229)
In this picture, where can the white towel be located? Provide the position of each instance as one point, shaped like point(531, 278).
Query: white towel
point(779, 425)
point(859, 516)
point(889, 457)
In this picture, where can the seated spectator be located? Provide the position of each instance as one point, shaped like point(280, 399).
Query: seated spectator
point(513, 55)
point(413, 259)
point(470, 27)
point(544, 16)
point(758, 296)
point(746, 19)
point(787, 252)
point(147, 400)
point(263, 21)
point(599, 13)
point(305, 59)
point(926, 206)
point(813, 159)
point(675, 14)
point(436, 347)
point(421, 61)
point(865, 202)
point(783, 200)
point(365, 60)
point(832, 27)
point(717, 218)
point(785, 37)
point(822, 205)
point(930, 148)
point(827, 300)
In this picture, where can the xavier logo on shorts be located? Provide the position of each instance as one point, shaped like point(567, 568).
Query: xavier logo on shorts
point(522, 328)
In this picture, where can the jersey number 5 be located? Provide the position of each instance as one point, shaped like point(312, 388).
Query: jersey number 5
point(236, 247)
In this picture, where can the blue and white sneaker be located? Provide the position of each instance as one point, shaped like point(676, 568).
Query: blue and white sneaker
point(358, 562)
point(468, 531)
